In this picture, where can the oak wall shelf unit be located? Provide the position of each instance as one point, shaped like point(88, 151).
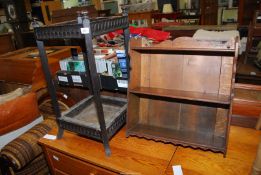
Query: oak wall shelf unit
point(181, 91)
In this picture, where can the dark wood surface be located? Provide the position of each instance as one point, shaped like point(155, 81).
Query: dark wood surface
point(186, 95)
point(243, 121)
point(7, 43)
point(246, 10)
point(209, 12)
point(71, 13)
point(164, 84)
point(246, 105)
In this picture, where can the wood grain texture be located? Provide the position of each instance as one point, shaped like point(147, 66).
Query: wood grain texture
point(201, 73)
point(181, 94)
point(51, 6)
point(140, 156)
point(129, 156)
point(241, 153)
point(246, 105)
point(27, 68)
point(226, 76)
point(71, 13)
point(179, 87)
point(61, 162)
point(6, 43)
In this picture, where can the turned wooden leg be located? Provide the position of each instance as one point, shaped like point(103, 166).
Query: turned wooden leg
point(256, 169)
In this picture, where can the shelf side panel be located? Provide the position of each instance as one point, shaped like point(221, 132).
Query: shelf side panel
point(221, 122)
point(145, 70)
point(133, 110)
point(226, 75)
point(135, 73)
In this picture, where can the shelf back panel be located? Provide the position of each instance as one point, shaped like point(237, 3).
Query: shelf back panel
point(181, 72)
point(165, 113)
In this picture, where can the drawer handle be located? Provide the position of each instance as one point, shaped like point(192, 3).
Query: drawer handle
point(55, 158)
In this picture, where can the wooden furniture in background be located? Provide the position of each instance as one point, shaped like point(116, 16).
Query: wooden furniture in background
point(47, 8)
point(145, 157)
point(97, 4)
point(6, 43)
point(23, 66)
point(16, 15)
point(254, 31)
point(158, 24)
point(246, 105)
point(209, 12)
point(157, 17)
point(246, 10)
point(144, 16)
point(71, 13)
point(181, 92)
point(189, 30)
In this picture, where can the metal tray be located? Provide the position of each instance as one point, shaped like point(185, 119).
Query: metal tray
point(82, 118)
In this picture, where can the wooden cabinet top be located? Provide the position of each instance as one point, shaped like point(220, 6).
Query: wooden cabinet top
point(141, 156)
point(129, 156)
point(32, 53)
point(25, 64)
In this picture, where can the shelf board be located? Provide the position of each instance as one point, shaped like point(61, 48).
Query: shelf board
point(183, 137)
point(186, 51)
point(183, 95)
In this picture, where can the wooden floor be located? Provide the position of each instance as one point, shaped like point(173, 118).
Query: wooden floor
point(240, 156)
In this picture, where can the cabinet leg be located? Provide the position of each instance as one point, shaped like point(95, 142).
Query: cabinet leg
point(107, 148)
point(60, 133)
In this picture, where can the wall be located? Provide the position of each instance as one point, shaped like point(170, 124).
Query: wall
point(183, 4)
point(70, 3)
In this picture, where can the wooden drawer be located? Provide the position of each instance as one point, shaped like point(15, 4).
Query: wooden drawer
point(63, 164)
